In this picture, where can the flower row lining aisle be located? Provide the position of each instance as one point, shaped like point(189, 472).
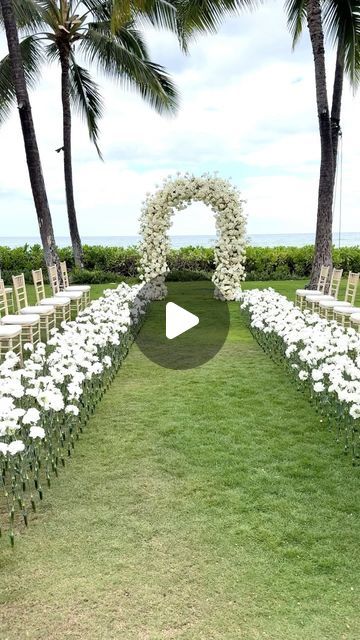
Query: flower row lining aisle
point(322, 356)
point(45, 405)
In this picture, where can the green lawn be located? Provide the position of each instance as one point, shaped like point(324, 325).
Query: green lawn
point(208, 504)
point(286, 287)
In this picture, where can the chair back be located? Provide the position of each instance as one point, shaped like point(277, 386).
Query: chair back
point(324, 274)
point(20, 291)
point(335, 282)
point(4, 310)
point(54, 280)
point(64, 274)
point(38, 281)
point(351, 287)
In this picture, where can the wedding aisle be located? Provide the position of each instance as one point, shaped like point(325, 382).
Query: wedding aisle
point(208, 504)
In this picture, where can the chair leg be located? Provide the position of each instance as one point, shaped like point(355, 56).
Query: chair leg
point(10, 301)
point(76, 307)
point(63, 314)
point(11, 344)
point(47, 323)
point(30, 334)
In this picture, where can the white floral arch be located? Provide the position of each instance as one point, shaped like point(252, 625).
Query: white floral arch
point(175, 195)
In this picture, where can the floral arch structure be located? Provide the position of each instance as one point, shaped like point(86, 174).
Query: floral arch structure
point(175, 195)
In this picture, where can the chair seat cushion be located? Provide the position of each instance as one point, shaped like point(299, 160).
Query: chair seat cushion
point(73, 295)
point(330, 304)
point(10, 331)
point(55, 302)
point(41, 309)
point(308, 292)
point(8, 290)
point(84, 288)
point(23, 320)
point(317, 298)
point(355, 318)
point(347, 311)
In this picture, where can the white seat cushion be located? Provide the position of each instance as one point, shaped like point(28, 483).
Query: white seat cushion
point(330, 304)
point(317, 298)
point(347, 311)
point(355, 318)
point(80, 287)
point(41, 309)
point(55, 302)
point(73, 295)
point(10, 331)
point(307, 292)
point(8, 290)
point(23, 320)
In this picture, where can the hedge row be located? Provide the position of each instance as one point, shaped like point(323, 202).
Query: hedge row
point(104, 264)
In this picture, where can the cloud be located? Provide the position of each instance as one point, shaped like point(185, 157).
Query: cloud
point(247, 110)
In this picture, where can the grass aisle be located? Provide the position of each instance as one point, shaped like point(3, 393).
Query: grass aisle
point(203, 504)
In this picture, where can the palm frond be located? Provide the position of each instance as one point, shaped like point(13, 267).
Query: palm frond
point(158, 90)
point(51, 13)
point(127, 36)
point(32, 56)
point(161, 14)
point(342, 24)
point(121, 13)
point(27, 13)
point(86, 98)
point(51, 52)
point(100, 11)
point(124, 58)
point(208, 15)
point(296, 17)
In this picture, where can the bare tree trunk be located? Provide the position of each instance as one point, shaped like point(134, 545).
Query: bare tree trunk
point(336, 100)
point(29, 136)
point(323, 239)
point(69, 189)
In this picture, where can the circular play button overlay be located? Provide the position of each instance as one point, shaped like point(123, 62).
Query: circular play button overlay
point(186, 329)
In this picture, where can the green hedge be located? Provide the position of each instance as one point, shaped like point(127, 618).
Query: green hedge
point(114, 263)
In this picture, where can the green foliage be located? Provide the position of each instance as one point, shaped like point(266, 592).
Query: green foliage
point(96, 276)
point(191, 258)
point(104, 264)
point(186, 275)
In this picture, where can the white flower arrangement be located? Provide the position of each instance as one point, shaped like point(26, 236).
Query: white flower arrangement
point(175, 195)
point(46, 403)
point(323, 356)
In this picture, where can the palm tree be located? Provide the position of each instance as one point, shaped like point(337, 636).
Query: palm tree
point(341, 21)
point(15, 74)
point(59, 33)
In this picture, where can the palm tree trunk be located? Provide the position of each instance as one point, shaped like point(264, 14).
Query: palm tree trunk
point(69, 189)
point(29, 136)
point(336, 100)
point(323, 239)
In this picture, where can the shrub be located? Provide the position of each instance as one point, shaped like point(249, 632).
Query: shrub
point(112, 264)
point(96, 276)
point(185, 275)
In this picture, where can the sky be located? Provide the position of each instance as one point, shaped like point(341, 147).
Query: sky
point(247, 111)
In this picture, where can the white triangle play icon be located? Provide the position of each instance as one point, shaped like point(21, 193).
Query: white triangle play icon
point(178, 320)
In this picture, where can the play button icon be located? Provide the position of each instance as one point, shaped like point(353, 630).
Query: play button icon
point(178, 320)
point(185, 330)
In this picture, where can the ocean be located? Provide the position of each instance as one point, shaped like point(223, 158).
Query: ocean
point(256, 240)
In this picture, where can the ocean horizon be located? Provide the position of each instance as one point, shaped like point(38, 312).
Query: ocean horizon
point(347, 239)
